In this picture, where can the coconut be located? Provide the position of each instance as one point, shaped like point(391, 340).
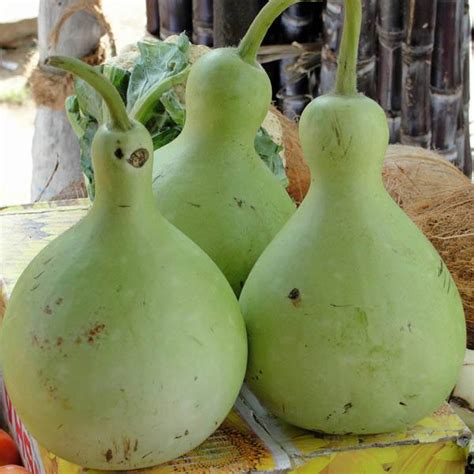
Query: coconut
point(412, 172)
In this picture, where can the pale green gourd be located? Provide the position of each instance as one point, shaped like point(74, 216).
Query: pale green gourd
point(123, 345)
point(354, 322)
point(210, 182)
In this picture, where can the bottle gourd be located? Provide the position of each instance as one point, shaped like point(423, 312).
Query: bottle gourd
point(209, 181)
point(123, 345)
point(354, 322)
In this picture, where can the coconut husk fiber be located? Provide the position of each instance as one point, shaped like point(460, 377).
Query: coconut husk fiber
point(448, 221)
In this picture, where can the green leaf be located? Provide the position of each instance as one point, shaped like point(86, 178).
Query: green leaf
point(269, 152)
point(90, 102)
point(119, 77)
point(174, 107)
point(157, 61)
point(85, 144)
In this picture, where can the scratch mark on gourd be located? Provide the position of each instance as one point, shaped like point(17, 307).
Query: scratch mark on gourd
point(195, 339)
point(440, 269)
point(147, 454)
point(341, 305)
point(347, 407)
point(402, 403)
point(337, 130)
point(194, 204)
point(47, 261)
point(124, 206)
point(126, 448)
point(39, 274)
point(135, 446)
point(240, 202)
point(346, 150)
point(34, 288)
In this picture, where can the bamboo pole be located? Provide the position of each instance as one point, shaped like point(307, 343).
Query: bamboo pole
point(417, 47)
point(390, 30)
point(203, 16)
point(176, 16)
point(446, 79)
point(333, 20)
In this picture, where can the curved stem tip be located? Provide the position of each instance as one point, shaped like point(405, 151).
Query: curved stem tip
point(118, 113)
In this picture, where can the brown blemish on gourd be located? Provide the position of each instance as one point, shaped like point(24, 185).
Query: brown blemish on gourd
point(108, 455)
point(402, 403)
point(118, 153)
point(35, 340)
point(59, 341)
point(347, 407)
point(295, 296)
point(47, 310)
point(135, 446)
point(94, 333)
point(78, 340)
point(59, 301)
point(138, 158)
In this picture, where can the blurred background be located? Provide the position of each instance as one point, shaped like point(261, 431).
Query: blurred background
point(414, 59)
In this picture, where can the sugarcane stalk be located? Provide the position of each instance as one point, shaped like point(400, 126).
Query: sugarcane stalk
point(152, 17)
point(390, 29)
point(176, 16)
point(203, 17)
point(420, 21)
point(446, 79)
point(232, 19)
point(466, 58)
point(333, 33)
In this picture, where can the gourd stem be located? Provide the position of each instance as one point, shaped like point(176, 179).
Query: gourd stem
point(118, 114)
point(346, 77)
point(142, 107)
point(252, 40)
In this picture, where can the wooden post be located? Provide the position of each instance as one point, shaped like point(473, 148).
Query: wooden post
point(55, 151)
point(203, 16)
point(389, 70)
point(446, 79)
point(176, 16)
point(416, 72)
point(231, 20)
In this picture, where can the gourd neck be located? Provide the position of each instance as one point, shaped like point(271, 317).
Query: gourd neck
point(346, 76)
point(251, 42)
